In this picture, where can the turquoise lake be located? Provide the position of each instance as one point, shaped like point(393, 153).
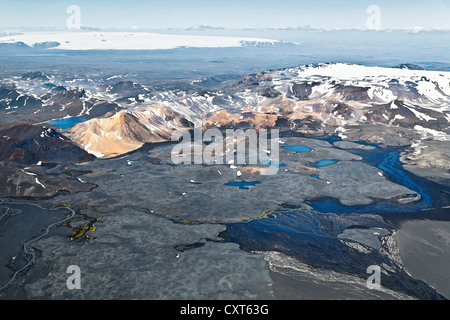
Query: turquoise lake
point(66, 123)
point(298, 148)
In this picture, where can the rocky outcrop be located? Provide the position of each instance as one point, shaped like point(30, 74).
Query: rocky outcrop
point(31, 144)
point(430, 159)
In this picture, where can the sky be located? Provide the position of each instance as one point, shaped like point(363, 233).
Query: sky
point(235, 14)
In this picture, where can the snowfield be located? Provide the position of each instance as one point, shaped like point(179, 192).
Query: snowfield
point(429, 89)
point(128, 40)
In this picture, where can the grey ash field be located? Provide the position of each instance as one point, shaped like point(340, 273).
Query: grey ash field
point(98, 188)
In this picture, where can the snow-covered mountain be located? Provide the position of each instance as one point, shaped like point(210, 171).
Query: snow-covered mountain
point(305, 98)
point(124, 115)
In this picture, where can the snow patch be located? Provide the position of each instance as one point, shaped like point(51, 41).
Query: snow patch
point(38, 182)
point(427, 133)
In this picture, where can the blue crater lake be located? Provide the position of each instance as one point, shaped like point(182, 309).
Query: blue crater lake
point(66, 123)
point(298, 148)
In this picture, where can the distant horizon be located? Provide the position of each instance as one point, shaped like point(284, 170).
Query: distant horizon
point(232, 14)
point(205, 28)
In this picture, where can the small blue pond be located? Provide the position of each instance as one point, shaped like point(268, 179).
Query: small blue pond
point(323, 163)
point(298, 148)
point(242, 184)
point(66, 123)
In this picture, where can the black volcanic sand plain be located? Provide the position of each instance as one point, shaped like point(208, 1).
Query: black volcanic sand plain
point(146, 228)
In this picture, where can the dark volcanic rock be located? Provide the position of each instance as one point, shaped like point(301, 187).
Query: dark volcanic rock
point(34, 182)
point(46, 45)
point(269, 92)
point(7, 94)
point(307, 124)
point(125, 87)
point(11, 98)
point(69, 101)
point(29, 144)
point(62, 95)
point(302, 91)
point(129, 100)
point(102, 108)
point(343, 110)
point(352, 92)
point(282, 123)
point(14, 46)
point(410, 66)
point(59, 89)
point(36, 75)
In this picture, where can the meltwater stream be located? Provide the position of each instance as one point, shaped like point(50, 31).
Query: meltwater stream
point(311, 236)
point(386, 160)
